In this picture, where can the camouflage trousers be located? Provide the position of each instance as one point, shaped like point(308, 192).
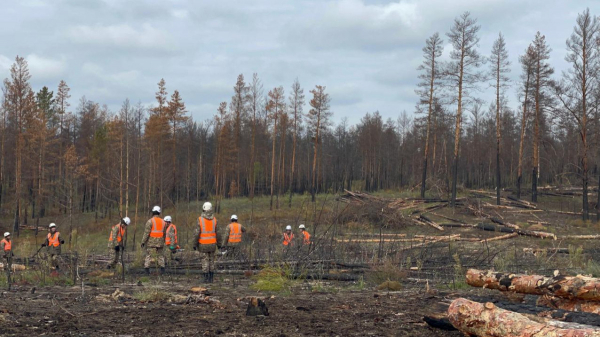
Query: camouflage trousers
point(208, 262)
point(53, 260)
point(158, 254)
point(115, 257)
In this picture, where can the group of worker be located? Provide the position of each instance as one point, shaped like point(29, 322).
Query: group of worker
point(53, 242)
point(289, 238)
point(160, 232)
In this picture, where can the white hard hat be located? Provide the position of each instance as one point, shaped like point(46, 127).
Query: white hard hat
point(288, 228)
point(207, 206)
point(168, 218)
point(52, 225)
point(156, 209)
point(127, 221)
point(234, 217)
point(302, 227)
point(6, 234)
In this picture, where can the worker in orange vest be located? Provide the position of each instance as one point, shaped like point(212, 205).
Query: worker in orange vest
point(233, 236)
point(304, 235)
point(171, 240)
point(154, 240)
point(116, 241)
point(206, 241)
point(6, 249)
point(288, 237)
point(53, 241)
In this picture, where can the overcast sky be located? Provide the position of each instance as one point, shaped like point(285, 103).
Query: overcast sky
point(365, 52)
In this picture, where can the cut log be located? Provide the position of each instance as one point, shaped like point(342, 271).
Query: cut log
point(501, 237)
point(580, 237)
point(569, 287)
point(473, 318)
point(424, 220)
point(504, 229)
point(448, 218)
point(569, 304)
point(457, 225)
point(543, 223)
point(504, 223)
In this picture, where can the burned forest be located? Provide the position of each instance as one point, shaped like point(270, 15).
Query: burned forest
point(279, 213)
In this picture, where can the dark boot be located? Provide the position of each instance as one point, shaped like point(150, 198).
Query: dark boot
point(162, 270)
point(206, 277)
point(211, 276)
point(147, 271)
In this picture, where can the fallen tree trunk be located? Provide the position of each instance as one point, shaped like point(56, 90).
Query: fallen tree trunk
point(569, 287)
point(580, 237)
point(575, 305)
point(473, 318)
point(501, 237)
point(504, 229)
point(504, 223)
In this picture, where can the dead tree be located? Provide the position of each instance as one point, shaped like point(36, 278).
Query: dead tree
point(498, 70)
point(429, 77)
point(462, 75)
point(578, 85)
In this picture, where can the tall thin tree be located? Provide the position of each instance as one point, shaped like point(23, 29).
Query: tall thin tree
point(499, 68)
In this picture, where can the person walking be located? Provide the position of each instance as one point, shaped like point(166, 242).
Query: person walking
point(6, 250)
point(53, 243)
point(206, 241)
point(171, 240)
point(154, 240)
point(304, 235)
point(233, 236)
point(116, 241)
point(288, 237)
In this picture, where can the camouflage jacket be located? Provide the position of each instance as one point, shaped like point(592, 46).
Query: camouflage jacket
point(150, 241)
point(226, 236)
point(53, 250)
point(172, 235)
point(114, 233)
point(196, 243)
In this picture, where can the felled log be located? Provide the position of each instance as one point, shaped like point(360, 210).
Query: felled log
point(501, 237)
point(457, 225)
point(580, 237)
point(504, 229)
point(569, 287)
point(576, 305)
point(543, 223)
point(448, 218)
point(504, 223)
point(473, 318)
point(15, 267)
point(425, 220)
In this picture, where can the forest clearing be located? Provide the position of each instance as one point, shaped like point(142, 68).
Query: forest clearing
point(246, 209)
point(380, 264)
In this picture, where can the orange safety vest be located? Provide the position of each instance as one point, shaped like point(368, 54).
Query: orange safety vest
point(7, 245)
point(158, 228)
point(208, 231)
point(120, 233)
point(306, 237)
point(168, 239)
point(53, 241)
point(287, 239)
point(235, 232)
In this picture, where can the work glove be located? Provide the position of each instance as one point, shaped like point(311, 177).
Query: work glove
point(117, 248)
point(62, 242)
point(143, 245)
point(195, 247)
point(172, 248)
point(43, 245)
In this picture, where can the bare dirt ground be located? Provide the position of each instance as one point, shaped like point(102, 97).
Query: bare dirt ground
point(60, 311)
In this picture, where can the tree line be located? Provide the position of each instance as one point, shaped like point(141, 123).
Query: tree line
point(58, 156)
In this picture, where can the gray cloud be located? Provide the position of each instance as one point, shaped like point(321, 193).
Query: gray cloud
point(365, 52)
